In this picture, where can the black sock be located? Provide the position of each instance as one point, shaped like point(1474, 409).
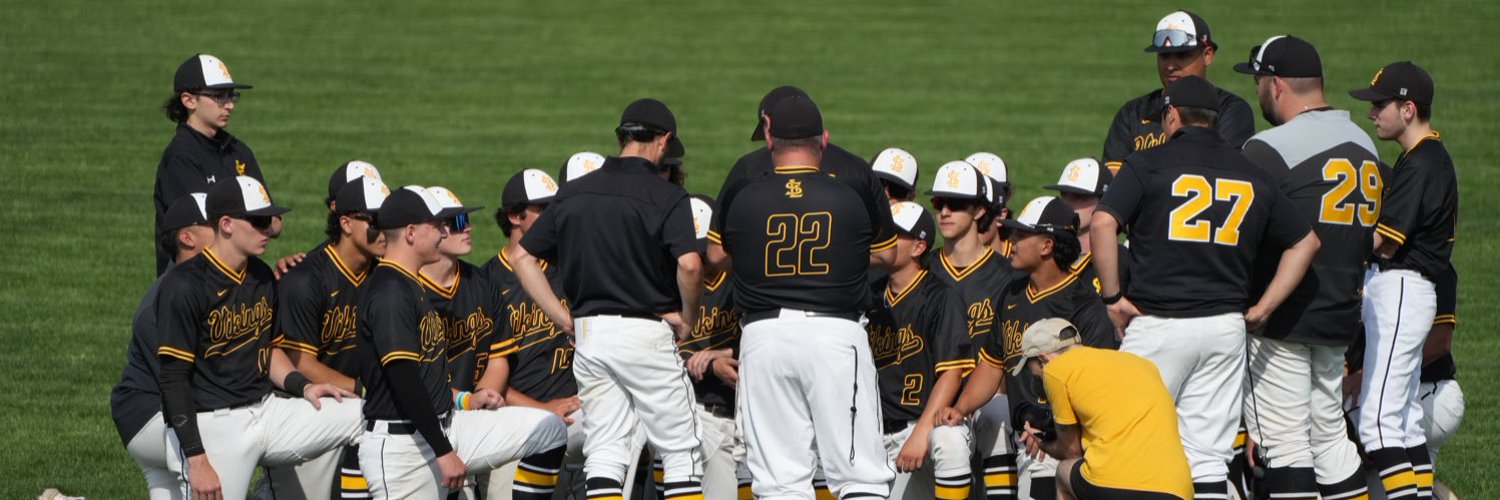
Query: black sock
point(1211, 491)
point(603, 488)
point(1292, 483)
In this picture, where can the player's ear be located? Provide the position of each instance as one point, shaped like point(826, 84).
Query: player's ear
point(824, 144)
point(1208, 55)
point(188, 100)
point(918, 249)
point(346, 224)
point(226, 224)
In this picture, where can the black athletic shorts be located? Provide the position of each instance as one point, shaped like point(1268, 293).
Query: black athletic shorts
point(1088, 491)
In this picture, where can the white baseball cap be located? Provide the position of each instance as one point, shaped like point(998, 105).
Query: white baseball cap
point(580, 164)
point(530, 186)
point(992, 166)
point(448, 200)
point(1046, 336)
point(348, 172)
point(912, 220)
point(703, 214)
point(1082, 176)
point(960, 180)
point(364, 194)
point(244, 197)
point(896, 165)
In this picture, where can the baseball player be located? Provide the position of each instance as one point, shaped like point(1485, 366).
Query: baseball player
point(1328, 167)
point(1183, 47)
point(975, 271)
point(317, 305)
point(800, 242)
point(135, 402)
point(627, 306)
point(709, 354)
point(214, 314)
point(1112, 426)
point(470, 305)
point(1197, 213)
point(997, 191)
point(921, 350)
point(897, 171)
point(1045, 243)
point(421, 440)
point(201, 152)
point(1413, 246)
point(1080, 186)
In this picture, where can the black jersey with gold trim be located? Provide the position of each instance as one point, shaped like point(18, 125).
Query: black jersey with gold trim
point(915, 335)
point(1420, 209)
point(1019, 304)
point(398, 322)
point(468, 308)
point(540, 353)
point(975, 285)
point(1133, 131)
point(220, 320)
point(718, 328)
point(1084, 268)
point(317, 309)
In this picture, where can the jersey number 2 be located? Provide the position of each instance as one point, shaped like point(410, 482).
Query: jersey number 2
point(794, 242)
point(1201, 195)
point(1367, 179)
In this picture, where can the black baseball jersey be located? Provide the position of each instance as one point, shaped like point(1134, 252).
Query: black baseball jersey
point(1019, 304)
point(837, 162)
point(540, 354)
point(1420, 209)
point(318, 308)
point(915, 335)
point(469, 308)
point(1443, 367)
point(192, 163)
point(137, 397)
point(1328, 167)
point(1132, 131)
point(398, 322)
point(718, 328)
point(1196, 212)
point(1084, 269)
point(615, 235)
point(220, 320)
point(801, 239)
point(975, 285)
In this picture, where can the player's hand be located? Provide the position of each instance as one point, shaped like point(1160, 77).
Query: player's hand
point(1031, 438)
point(562, 407)
point(313, 392)
point(698, 364)
point(683, 330)
point(1353, 384)
point(453, 469)
point(950, 416)
point(285, 264)
point(486, 399)
point(1120, 313)
point(728, 370)
point(1255, 317)
point(203, 479)
point(914, 452)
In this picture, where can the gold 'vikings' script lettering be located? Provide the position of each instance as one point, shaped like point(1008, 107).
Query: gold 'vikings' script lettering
point(433, 336)
point(714, 321)
point(464, 330)
point(527, 318)
point(229, 323)
point(1012, 330)
point(981, 317)
point(1149, 140)
point(890, 346)
point(339, 324)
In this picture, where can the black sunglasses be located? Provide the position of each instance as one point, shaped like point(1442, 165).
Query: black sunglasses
point(261, 222)
point(955, 205)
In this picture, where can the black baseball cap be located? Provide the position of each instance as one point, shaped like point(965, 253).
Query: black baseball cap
point(528, 187)
point(654, 115)
point(411, 205)
point(1190, 92)
point(203, 71)
point(189, 210)
point(1284, 56)
point(242, 196)
point(348, 172)
point(1180, 31)
point(770, 99)
point(1046, 214)
point(914, 221)
point(795, 117)
point(364, 194)
point(1398, 80)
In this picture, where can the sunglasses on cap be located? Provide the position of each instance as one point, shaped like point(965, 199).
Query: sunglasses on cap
point(1174, 38)
point(954, 204)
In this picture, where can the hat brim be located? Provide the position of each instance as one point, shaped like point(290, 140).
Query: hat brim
point(231, 85)
point(674, 147)
point(894, 178)
point(1245, 68)
point(1020, 226)
point(1015, 371)
point(1368, 94)
point(760, 130)
point(1063, 188)
point(956, 196)
point(269, 211)
point(1172, 50)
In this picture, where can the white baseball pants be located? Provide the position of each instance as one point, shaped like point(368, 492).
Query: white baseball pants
point(404, 466)
point(1442, 411)
point(1399, 307)
point(949, 449)
point(1292, 407)
point(149, 449)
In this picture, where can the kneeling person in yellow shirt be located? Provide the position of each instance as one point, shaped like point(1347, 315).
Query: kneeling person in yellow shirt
point(1113, 427)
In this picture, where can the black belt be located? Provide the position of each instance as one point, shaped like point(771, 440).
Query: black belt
point(892, 426)
point(719, 410)
point(776, 313)
point(395, 428)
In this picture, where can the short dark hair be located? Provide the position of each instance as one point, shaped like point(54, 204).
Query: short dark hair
point(502, 216)
point(1065, 249)
point(1424, 111)
point(814, 142)
point(1202, 117)
point(168, 243)
point(1304, 84)
point(174, 109)
point(332, 230)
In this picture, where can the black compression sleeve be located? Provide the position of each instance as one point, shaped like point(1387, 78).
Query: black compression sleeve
point(412, 400)
point(177, 403)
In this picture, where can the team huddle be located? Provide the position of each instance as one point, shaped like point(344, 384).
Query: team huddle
point(1202, 312)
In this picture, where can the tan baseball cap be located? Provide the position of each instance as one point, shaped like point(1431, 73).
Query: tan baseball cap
point(1045, 336)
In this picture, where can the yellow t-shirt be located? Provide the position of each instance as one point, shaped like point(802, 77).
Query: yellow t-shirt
point(1130, 438)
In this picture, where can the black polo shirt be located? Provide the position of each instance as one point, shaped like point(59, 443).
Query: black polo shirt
point(1132, 131)
point(191, 163)
point(615, 235)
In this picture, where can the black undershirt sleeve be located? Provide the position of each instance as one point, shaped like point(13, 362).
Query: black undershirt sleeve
point(177, 404)
point(412, 400)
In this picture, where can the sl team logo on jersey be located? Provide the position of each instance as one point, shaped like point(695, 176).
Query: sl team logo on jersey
point(981, 317)
point(889, 346)
point(433, 336)
point(239, 166)
point(793, 188)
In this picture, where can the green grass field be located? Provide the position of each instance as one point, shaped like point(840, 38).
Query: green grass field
point(463, 95)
